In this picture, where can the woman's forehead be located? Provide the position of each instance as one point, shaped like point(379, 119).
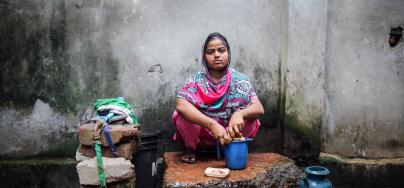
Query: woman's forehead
point(215, 43)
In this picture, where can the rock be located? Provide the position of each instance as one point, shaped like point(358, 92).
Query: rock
point(118, 134)
point(263, 170)
point(80, 157)
point(116, 169)
point(125, 150)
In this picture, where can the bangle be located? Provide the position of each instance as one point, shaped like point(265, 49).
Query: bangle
point(209, 124)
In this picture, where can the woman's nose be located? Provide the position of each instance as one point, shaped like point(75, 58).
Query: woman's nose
point(217, 54)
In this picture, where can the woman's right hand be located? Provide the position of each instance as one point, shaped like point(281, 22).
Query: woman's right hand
point(220, 133)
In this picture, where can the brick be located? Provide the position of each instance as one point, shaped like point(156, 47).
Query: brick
point(263, 170)
point(116, 170)
point(124, 149)
point(118, 132)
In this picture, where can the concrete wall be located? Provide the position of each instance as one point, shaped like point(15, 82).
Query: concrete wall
point(38, 91)
point(364, 80)
point(323, 69)
point(344, 82)
point(58, 56)
point(344, 91)
point(305, 77)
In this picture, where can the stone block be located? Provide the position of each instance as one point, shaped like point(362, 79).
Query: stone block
point(263, 170)
point(119, 133)
point(116, 170)
point(124, 149)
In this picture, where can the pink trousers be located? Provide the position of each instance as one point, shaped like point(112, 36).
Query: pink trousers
point(196, 137)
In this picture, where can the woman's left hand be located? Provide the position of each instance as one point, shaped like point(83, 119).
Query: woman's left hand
point(236, 125)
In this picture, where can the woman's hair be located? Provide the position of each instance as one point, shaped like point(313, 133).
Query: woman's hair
point(214, 36)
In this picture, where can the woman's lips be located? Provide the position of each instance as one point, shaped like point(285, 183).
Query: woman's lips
point(217, 61)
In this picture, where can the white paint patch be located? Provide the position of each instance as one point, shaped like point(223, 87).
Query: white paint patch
point(29, 133)
point(42, 112)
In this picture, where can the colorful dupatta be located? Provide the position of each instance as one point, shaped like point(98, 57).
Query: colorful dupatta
point(218, 101)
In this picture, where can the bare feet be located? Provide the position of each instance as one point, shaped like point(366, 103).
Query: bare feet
point(188, 157)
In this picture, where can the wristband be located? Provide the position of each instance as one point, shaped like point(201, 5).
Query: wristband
point(209, 124)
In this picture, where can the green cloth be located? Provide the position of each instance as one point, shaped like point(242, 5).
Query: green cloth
point(104, 102)
point(118, 102)
point(101, 175)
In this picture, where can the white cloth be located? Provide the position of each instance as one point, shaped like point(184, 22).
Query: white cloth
point(116, 109)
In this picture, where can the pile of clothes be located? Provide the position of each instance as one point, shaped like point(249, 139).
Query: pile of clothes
point(107, 143)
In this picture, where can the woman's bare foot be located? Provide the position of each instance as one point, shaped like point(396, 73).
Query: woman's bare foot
point(188, 156)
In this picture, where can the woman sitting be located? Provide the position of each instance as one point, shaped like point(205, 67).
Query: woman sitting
point(217, 103)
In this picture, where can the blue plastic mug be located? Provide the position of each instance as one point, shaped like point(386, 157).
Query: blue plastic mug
point(236, 154)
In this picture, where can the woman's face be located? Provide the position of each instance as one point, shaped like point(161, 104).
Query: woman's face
point(216, 55)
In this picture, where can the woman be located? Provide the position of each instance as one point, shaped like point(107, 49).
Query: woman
point(217, 103)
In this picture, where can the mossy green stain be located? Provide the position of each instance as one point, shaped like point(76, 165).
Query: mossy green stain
point(39, 161)
point(303, 129)
point(309, 130)
point(37, 63)
point(63, 148)
point(293, 123)
point(324, 160)
point(66, 148)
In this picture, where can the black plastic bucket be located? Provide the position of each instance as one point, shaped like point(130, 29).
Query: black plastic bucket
point(145, 159)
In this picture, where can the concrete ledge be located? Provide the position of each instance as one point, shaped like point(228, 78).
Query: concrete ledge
point(357, 172)
point(39, 173)
point(263, 170)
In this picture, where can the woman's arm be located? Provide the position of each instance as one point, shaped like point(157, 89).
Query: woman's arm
point(251, 112)
point(190, 113)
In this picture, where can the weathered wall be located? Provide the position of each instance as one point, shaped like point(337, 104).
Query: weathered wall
point(323, 69)
point(58, 56)
point(305, 78)
point(364, 80)
point(344, 83)
point(38, 92)
point(159, 45)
